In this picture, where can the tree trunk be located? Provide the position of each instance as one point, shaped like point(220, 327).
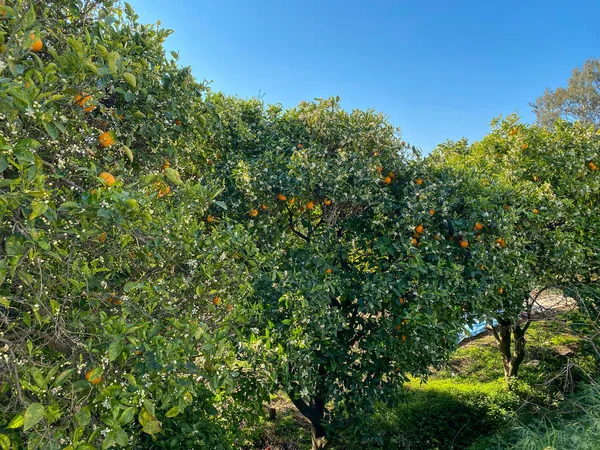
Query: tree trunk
point(314, 411)
point(512, 356)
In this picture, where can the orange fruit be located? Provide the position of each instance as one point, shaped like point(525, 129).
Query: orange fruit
point(93, 377)
point(166, 164)
point(478, 226)
point(535, 211)
point(506, 207)
point(327, 202)
point(432, 212)
point(178, 122)
point(501, 242)
point(592, 166)
point(436, 237)
point(210, 219)
point(102, 237)
point(164, 191)
point(514, 131)
point(375, 153)
point(263, 206)
point(403, 338)
point(281, 197)
point(310, 205)
point(329, 271)
point(391, 175)
point(482, 267)
point(501, 290)
point(209, 162)
point(387, 180)
point(401, 301)
point(524, 146)
point(108, 178)
point(254, 213)
point(292, 200)
point(89, 108)
point(300, 146)
point(464, 244)
point(379, 169)
point(419, 229)
point(106, 139)
point(414, 241)
point(402, 143)
point(82, 99)
point(216, 301)
point(419, 181)
point(36, 45)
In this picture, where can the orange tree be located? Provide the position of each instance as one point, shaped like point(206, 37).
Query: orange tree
point(114, 286)
point(556, 185)
point(369, 263)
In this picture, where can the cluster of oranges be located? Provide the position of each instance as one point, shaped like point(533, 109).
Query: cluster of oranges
point(592, 166)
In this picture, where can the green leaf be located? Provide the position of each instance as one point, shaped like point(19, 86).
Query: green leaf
point(127, 152)
point(127, 415)
point(62, 378)
point(130, 79)
point(112, 61)
point(220, 204)
point(51, 130)
point(3, 163)
point(153, 427)
point(4, 442)
point(83, 416)
point(33, 414)
point(173, 176)
point(37, 209)
point(114, 350)
point(16, 422)
point(174, 411)
point(121, 437)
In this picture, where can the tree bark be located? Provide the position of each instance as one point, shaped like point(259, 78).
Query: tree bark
point(512, 355)
point(314, 412)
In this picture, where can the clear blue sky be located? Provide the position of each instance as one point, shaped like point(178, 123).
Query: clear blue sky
point(439, 69)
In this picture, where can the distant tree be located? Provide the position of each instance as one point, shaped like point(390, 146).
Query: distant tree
point(579, 101)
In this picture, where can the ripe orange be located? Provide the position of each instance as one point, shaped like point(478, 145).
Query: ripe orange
point(379, 169)
point(106, 139)
point(82, 99)
point(464, 244)
point(535, 211)
point(414, 241)
point(403, 338)
point(254, 213)
point(401, 301)
point(436, 237)
point(419, 229)
point(478, 226)
point(164, 191)
point(327, 202)
point(292, 200)
point(375, 153)
point(217, 301)
point(592, 166)
point(102, 237)
point(482, 267)
point(89, 108)
point(300, 145)
point(506, 207)
point(108, 178)
point(501, 290)
point(166, 164)
point(402, 143)
point(432, 212)
point(391, 175)
point(37, 45)
point(524, 146)
point(281, 197)
point(263, 206)
point(178, 122)
point(93, 377)
point(310, 205)
point(501, 242)
point(419, 181)
point(387, 180)
point(329, 271)
point(210, 219)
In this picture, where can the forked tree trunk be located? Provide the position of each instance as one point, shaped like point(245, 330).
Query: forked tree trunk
point(314, 412)
point(512, 355)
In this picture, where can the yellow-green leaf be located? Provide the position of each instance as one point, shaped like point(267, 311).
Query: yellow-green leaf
point(173, 176)
point(4, 442)
point(16, 422)
point(174, 411)
point(128, 152)
point(33, 414)
point(130, 79)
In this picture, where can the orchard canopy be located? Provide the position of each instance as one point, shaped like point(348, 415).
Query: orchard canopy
point(170, 256)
